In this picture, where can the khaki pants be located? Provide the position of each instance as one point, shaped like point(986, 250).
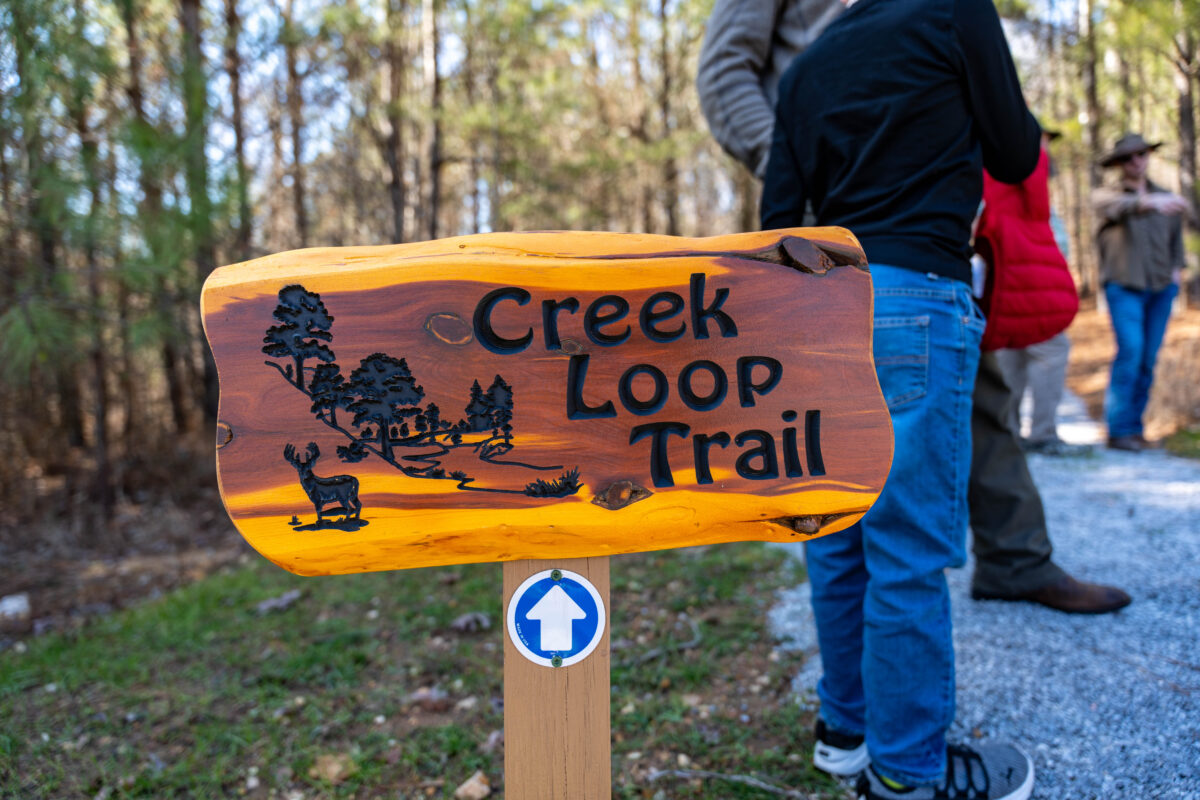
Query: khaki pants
point(1043, 369)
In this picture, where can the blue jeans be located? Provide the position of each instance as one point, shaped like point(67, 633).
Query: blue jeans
point(878, 589)
point(1139, 321)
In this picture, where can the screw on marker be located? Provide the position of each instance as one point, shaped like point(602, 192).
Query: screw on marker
point(556, 661)
point(556, 575)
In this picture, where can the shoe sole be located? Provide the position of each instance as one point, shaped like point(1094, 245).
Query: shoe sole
point(1108, 609)
point(843, 763)
point(1023, 791)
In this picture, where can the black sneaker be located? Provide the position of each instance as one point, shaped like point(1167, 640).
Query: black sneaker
point(989, 772)
point(839, 753)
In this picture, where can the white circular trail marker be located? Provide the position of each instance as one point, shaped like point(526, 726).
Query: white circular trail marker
point(556, 618)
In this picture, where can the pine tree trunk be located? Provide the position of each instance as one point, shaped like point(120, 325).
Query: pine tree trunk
point(670, 167)
point(1185, 83)
point(277, 238)
point(604, 113)
point(295, 105)
point(102, 487)
point(495, 199)
point(641, 129)
point(195, 94)
point(469, 78)
point(151, 213)
point(233, 68)
point(1125, 74)
point(11, 247)
point(393, 144)
point(430, 37)
point(1093, 97)
point(41, 218)
point(748, 193)
point(1091, 275)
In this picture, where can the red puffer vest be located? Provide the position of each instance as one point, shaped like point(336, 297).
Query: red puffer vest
point(1030, 295)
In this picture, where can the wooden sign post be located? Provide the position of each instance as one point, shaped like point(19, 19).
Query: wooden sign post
point(546, 399)
point(557, 721)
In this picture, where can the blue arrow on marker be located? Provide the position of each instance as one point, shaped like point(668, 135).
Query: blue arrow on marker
point(556, 611)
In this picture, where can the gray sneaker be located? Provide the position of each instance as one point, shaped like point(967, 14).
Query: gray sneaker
point(839, 754)
point(989, 772)
point(1057, 447)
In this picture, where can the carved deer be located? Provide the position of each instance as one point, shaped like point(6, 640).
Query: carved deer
point(340, 489)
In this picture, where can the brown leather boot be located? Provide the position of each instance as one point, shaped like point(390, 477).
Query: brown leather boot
point(1071, 596)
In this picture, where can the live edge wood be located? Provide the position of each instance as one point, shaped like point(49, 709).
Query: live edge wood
point(545, 395)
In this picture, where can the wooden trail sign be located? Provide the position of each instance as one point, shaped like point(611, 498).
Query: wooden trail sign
point(545, 395)
point(547, 400)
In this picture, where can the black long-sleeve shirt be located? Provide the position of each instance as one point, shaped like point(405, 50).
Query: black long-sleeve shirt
point(885, 125)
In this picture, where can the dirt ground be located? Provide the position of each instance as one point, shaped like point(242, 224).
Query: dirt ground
point(1175, 398)
point(68, 584)
point(159, 547)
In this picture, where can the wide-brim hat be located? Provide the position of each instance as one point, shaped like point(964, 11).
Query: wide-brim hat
point(1126, 146)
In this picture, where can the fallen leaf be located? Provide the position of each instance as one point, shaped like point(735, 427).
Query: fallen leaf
point(476, 787)
point(472, 622)
point(430, 698)
point(333, 767)
point(494, 740)
point(281, 603)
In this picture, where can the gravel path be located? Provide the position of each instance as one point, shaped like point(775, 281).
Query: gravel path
point(1108, 706)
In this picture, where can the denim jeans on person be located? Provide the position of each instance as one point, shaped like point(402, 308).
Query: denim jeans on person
point(1139, 320)
point(878, 589)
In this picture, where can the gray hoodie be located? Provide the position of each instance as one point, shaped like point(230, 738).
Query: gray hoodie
point(747, 46)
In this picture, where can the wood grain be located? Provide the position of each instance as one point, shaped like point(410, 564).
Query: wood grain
point(557, 722)
point(557, 457)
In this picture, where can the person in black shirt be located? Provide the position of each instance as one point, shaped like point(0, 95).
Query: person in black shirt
point(884, 126)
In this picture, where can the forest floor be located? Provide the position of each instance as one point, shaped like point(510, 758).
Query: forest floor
point(331, 694)
point(261, 684)
point(70, 576)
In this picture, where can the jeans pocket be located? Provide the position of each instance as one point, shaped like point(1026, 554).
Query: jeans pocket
point(902, 358)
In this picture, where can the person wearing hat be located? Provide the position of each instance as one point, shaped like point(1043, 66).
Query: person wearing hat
point(1141, 261)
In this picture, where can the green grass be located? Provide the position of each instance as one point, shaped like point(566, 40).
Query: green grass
point(197, 695)
point(1185, 442)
